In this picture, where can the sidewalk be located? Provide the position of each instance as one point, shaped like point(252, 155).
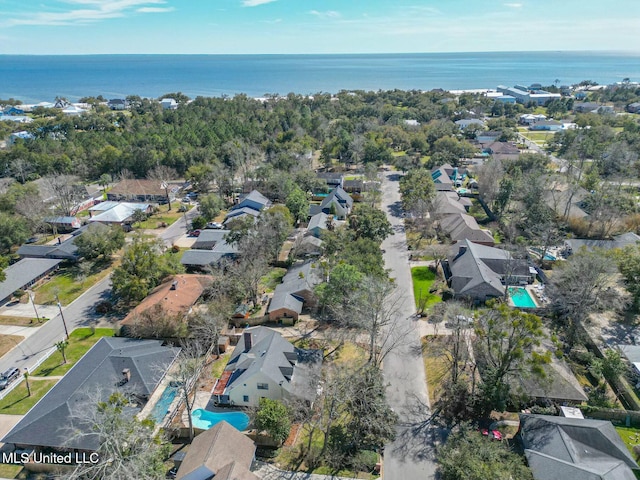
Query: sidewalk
point(26, 310)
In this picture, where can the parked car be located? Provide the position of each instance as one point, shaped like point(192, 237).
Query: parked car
point(195, 233)
point(32, 240)
point(8, 377)
point(214, 225)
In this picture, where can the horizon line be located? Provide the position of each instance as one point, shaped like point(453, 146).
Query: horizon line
point(618, 52)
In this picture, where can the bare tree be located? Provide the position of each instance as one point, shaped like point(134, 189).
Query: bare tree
point(187, 370)
point(208, 325)
point(488, 176)
point(65, 191)
point(127, 447)
point(164, 175)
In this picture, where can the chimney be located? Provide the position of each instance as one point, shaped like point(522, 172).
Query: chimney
point(247, 341)
point(126, 374)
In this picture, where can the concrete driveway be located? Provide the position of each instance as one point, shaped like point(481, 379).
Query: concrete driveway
point(411, 455)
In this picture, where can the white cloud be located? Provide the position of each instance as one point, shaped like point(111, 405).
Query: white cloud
point(155, 9)
point(327, 14)
point(513, 5)
point(255, 3)
point(92, 11)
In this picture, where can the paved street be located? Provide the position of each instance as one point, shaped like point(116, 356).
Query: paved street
point(410, 456)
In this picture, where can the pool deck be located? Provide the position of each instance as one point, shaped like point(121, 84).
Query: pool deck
point(202, 400)
point(533, 292)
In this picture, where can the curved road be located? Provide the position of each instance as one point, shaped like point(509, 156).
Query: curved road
point(410, 456)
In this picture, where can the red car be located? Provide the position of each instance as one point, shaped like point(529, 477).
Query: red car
point(194, 233)
point(493, 434)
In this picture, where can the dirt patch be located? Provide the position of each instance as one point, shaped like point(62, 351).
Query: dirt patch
point(7, 342)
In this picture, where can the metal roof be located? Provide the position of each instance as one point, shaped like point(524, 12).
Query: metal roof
point(24, 272)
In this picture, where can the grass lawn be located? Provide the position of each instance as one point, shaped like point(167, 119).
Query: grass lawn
point(21, 321)
point(163, 216)
point(9, 471)
point(80, 341)
point(538, 137)
point(7, 342)
point(17, 402)
point(217, 367)
point(436, 365)
point(272, 279)
point(65, 283)
point(423, 278)
point(630, 436)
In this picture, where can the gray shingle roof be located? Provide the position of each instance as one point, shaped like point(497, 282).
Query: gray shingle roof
point(271, 355)
point(221, 452)
point(574, 449)
point(460, 226)
point(200, 258)
point(319, 220)
point(302, 277)
point(24, 272)
point(209, 239)
point(282, 298)
point(98, 372)
point(253, 196)
point(339, 196)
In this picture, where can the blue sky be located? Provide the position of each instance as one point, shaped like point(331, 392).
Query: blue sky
point(315, 26)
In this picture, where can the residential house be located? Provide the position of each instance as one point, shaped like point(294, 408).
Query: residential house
point(284, 305)
point(119, 214)
point(574, 449)
point(308, 246)
point(531, 118)
point(24, 273)
point(16, 118)
point(317, 224)
point(168, 104)
point(174, 298)
point(564, 200)
point(118, 104)
point(73, 111)
point(460, 226)
point(254, 200)
point(502, 150)
point(332, 179)
point(265, 365)
point(527, 95)
point(467, 122)
point(209, 249)
point(301, 280)
point(633, 107)
point(572, 245)
point(442, 177)
point(142, 190)
point(586, 107)
point(63, 249)
point(337, 203)
point(486, 138)
point(449, 203)
point(546, 126)
point(13, 110)
point(63, 224)
point(478, 272)
point(130, 367)
point(239, 213)
point(219, 453)
point(22, 135)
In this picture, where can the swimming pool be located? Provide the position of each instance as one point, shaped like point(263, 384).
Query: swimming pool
point(206, 419)
point(521, 298)
point(548, 256)
point(161, 408)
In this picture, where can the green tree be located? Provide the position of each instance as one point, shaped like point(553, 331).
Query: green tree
point(198, 222)
point(61, 346)
point(98, 242)
point(142, 268)
point(610, 366)
point(210, 206)
point(338, 292)
point(200, 175)
point(418, 191)
point(298, 204)
point(369, 222)
point(467, 455)
point(138, 216)
point(505, 351)
point(629, 266)
point(273, 417)
point(13, 231)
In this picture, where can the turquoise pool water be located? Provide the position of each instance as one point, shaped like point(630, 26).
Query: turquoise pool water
point(548, 256)
point(206, 419)
point(521, 298)
point(161, 408)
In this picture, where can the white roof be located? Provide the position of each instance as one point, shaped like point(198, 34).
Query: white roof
point(118, 214)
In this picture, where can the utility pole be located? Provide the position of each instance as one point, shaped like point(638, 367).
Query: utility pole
point(64, 323)
point(30, 293)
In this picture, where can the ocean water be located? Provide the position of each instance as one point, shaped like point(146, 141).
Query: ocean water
point(41, 78)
